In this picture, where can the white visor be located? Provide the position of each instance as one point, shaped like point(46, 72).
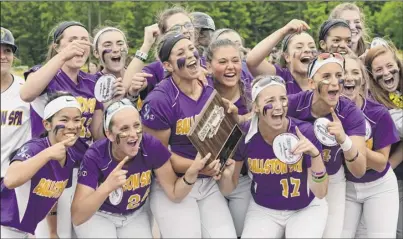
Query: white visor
point(257, 88)
point(105, 30)
point(58, 104)
point(116, 107)
point(318, 64)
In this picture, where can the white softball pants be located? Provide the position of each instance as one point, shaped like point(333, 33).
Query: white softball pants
point(376, 204)
point(203, 213)
point(262, 222)
point(109, 225)
point(336, 199)
point(9, 232)
point(238, 202)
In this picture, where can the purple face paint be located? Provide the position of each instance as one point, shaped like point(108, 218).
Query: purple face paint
point(266, 108)
point(181, 62)
point(57, 127)
point(196, 54)
point(105, 52)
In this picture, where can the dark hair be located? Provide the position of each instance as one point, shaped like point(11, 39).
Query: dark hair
point(209, 54)
point(52, 96)
point(329, 25)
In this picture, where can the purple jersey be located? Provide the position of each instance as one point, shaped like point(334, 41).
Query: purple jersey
point(351, 117)
point(159, 73)
point(25, 206)
point(291, 85)
point(83, 92)
point(276, 185)
point(166, 107)
point(383, 133)
point(98, 75)
point(98, 163)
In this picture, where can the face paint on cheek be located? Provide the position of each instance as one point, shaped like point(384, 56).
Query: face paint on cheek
point(57, 128)
point(105, 52)
point(120, 136)
point(266, 108)
point(196, 54)
point(394, 71)
point(321, 84)
point(181, 62)
point(378, 78)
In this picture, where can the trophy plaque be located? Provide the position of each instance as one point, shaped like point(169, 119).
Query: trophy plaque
point(215, 131)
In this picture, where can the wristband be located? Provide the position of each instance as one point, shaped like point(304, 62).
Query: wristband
point(318, 174)
point(320, 179)
point(184, 180)
point(141, 56)
point(353, 159)
point(347, 144)
point(316, 155)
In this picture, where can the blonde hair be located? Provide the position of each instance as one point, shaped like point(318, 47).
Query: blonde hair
point(377, 92)
point(166, 13)
point(362, 42)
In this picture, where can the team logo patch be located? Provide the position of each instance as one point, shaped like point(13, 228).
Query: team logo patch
point(23, 153)
point(321, 133)
point(3, 34)
point(116, 196)
point(282, 146)
point(368, 130)
point(146, 112)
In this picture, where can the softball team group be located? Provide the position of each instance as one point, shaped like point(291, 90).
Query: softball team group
point(72, 166)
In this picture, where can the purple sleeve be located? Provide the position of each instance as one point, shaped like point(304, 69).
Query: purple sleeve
point(156, 112)
point(27, 151)
point(283, 72)
point(154, 70)
point(158, 153)
point(385, 132)
point(88, 173)
point(354, 123)
point(293, 101)
point(33, 69)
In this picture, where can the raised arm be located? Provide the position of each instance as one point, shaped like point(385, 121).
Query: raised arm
point(136, 65)
point(255, 59)
point(37, 82)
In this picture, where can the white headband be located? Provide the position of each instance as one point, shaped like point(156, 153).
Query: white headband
point(110, 115)
point(58, 104)
point(253, 128)
point(105, 30)
point(319, 64)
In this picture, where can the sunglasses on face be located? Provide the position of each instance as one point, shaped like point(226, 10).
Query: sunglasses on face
point(178, 27)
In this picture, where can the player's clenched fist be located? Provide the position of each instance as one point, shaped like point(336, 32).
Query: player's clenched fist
point(75, 48)
point(117, 178)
